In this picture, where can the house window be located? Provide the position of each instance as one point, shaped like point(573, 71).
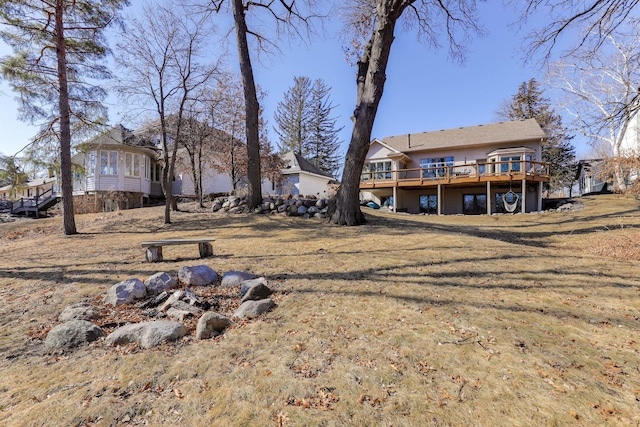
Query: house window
point(474, 204)
point(512, 166)
point(147, 164)
point(435, 167)
point(90, 167)
point(156, 173)
point(429, 203)
point(132, 164)
point(382, 171)
point(109, 162)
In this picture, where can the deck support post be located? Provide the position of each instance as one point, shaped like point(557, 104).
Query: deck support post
point(439, 199)
point(523, 202)
point(488, 197)
point(540, 188)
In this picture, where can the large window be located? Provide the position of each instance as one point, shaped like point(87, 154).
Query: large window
point(382, 170)
point(132, 164)
point(156, 172)
point(429, 203)
point(513, 166)
point(435, 167)
point(474, 204)
point(90, 166)
point(109, 162)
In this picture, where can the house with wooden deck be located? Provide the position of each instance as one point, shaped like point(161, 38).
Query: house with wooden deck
point(485, 169)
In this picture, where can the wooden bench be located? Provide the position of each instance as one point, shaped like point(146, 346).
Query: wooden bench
point(154, 247)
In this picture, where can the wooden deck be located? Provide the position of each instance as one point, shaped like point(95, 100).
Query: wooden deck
point(456, 175)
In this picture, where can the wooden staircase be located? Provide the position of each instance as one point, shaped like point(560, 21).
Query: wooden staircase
point(39, 203)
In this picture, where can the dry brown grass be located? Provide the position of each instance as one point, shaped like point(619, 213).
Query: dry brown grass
point(409, 320)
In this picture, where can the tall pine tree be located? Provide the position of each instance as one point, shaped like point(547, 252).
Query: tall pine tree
point(304, 124)
point(58, 46)
point(529, 103)
point(324, 144)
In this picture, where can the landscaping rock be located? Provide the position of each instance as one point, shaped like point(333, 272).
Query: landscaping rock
point(79, 311)
point(250, 309)
point(72, 334)
point(211, 324)
point(247, 284)
point(197, 275)
point(126, 292)
point(159, 283)
point(148, 334)
point(257, 292)
point(235, 278)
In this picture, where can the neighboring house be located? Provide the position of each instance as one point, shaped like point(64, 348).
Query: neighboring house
point(589, 178)
point(212, 181)
point(119, 171)
point(27, 190)
point(301, 177)
point(470, 170)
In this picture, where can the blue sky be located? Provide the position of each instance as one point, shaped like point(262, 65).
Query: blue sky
point(424, 91)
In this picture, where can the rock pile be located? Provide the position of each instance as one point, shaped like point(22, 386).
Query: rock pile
point(306, 207)
point(169, 302)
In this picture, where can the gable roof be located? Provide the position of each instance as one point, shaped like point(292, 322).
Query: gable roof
point(296, 163)
point(513, 131)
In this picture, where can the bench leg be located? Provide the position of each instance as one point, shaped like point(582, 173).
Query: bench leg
point(206, 250)
point(154, 254)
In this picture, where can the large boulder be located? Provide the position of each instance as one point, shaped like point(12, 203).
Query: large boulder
point(211, 324)
point(159, 283)
point(148, 334)
point(250, 309)
point(235, 278)
point(126, 292)
point(79, 311)
point(72, 334)
point(257, 292)
point(197, 275)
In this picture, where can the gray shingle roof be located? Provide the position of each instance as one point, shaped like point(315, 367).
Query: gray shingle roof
point(519, 131)
point(297, 163)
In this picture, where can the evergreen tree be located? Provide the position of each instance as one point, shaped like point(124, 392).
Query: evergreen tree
point(530, 103)
point(324, 144)
point(305, 126)
point(293, 117)
point(57, 48)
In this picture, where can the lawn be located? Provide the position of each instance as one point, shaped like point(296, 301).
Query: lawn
point(409, 320)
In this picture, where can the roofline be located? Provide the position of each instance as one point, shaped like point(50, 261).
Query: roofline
point(379, 141)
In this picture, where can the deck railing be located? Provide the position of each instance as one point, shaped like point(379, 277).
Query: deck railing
point(458, 173)
point(34, 202)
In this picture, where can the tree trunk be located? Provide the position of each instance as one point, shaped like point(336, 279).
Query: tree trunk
point(254, 197)
point(68, 219)
point(371, 78)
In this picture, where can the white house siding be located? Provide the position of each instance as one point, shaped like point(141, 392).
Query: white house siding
point(378, 152)
point(108, 183)
point(631, 141)
point(312, 185)
point(132, 184)
point(212, 183)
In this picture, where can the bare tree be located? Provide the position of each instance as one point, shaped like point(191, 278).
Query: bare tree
point(161, 55)
point(373, 25)
point(291, 17)
point(600, 93)
point(57, 48)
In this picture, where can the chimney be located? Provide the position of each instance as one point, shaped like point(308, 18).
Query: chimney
point(408, 140)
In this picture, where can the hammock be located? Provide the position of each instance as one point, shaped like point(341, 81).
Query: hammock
point(510, 206)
